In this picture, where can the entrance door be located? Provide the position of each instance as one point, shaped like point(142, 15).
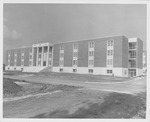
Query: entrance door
point(44, 63)
point(132, 72)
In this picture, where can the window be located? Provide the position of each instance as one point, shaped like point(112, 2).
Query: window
point(132, 63)
point(109, 61)
point(30, 62)
point(61, 69)
point(132, 45)
point(91, 45)
point(75, 46)
point(91, 62)
point(75, 54)
point(91, 53)
point(132, 54)
point(61, 47)
point(109, 71)
point(90, 70)
point(74, 62)
point(21, 68)
point(74, 70)
point(8, 68)
point(109, 52)
point(14, 68)
point(61, 62)
point(110, 42)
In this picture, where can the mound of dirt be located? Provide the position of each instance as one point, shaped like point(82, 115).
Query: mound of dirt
point(9, 87)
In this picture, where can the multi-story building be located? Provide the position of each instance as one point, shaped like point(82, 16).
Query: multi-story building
point(116, 55)
point(144, 62)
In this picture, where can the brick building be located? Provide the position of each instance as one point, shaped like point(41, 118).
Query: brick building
point(116, 55)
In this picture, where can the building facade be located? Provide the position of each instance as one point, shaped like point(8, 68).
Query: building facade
point(144, 62)
point(116, 55)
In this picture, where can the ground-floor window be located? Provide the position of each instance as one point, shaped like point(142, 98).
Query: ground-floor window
point(90, 70)
point(61, 69)
point(74, 70)
point(8, 68)
point(14, 68)
point(109, 71)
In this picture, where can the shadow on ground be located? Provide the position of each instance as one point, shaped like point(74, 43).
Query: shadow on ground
point(115, 106)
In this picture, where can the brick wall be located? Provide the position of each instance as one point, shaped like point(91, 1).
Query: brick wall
point(140, 53)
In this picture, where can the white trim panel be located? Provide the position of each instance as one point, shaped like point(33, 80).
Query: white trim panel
point(120, 72)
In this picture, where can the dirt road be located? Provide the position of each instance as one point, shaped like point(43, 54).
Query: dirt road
point(130, 87)
point(93, 100)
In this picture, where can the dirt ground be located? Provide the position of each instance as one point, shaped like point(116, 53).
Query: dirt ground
point(46, 99)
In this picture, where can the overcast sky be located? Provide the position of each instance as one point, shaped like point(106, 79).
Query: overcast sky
point(26, 24)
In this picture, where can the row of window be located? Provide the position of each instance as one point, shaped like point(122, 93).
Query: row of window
point(30, 57)
point(110, 44)
point(75, 46)
point(89, 70)
point(75, 62)
point(14, 68)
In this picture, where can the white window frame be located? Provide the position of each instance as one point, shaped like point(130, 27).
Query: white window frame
point(61, 47)
point(110, 43)
point(90, 71)
point(75, 46)
point(91, 54)
point(76, 62)
point(91, 62)
point(92, 44)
